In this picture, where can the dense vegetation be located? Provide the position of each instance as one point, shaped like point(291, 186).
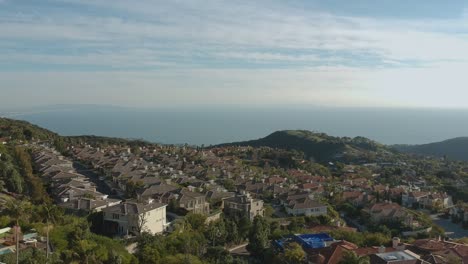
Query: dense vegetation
point(23, 131)
point(70, 236)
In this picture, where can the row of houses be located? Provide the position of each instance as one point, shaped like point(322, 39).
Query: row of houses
point(158, 176)
point(75, 192)
point(429, 200)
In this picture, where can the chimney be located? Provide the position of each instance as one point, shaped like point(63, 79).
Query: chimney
point(382, 249)
point(395, 242)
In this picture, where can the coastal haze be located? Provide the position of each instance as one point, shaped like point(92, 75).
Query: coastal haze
point(209, 126)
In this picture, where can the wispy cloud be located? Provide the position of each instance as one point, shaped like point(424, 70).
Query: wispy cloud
point(218, 47)
point(215, 28)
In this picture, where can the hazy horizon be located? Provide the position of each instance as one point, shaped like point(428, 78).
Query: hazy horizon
point(222, 125)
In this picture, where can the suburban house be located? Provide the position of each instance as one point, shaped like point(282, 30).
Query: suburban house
point(133, 218)
point(306, 206)
point(437, 201)
point(440, 251)
point(396, 257)
point(357, 198)
point(460, 212)
point(187, 200)
point(88, 205)
point(410, 199)
point(70, 193)
point(243, 205)
point(386, 211)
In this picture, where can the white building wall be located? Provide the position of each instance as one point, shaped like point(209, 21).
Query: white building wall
point(155, 222)
point(307, 211)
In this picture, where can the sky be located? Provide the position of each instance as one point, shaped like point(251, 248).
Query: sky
point(147, 53)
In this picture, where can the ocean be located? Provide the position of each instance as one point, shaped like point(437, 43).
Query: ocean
point(207, 126)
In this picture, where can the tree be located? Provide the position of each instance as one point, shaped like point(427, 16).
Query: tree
point(258, 237)
point(17, 209)
point(150, 249)
point(142, 220)
point(218, 255)
point(49, 213)
point(269, 211)
point(28, 134)
point(35, 188)
point(229, 185)
point(244, 226)
point(14, 181)
point(296, 224)
point(132, 188)
point(216, 232)
point(196, 221)
point(350, 257)
point(294, 253)
point(181, 259)
point(232, 232)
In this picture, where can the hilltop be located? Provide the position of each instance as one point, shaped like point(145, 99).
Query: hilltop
point(456, 148)
point(22, 130)
point(13, 129)
point(318, 146)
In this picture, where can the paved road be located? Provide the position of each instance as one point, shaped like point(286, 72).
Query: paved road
point(457, 229)
point(93, 177)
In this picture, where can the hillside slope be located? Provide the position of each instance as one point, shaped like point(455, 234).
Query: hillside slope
point(318, 146)
point(456, 148)
point(22, 130)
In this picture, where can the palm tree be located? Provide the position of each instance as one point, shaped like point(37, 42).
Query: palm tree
point(16, 209)
point(49, 213)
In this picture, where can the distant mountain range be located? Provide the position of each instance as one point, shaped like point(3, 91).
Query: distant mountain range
point(456, 148)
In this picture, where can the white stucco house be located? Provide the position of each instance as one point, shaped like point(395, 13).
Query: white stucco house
point(132, 218)
point(307, 207)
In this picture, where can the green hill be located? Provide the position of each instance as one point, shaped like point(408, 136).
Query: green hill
point(318, 146)
point(15, 130)
point(22, 130)
point(456, 148)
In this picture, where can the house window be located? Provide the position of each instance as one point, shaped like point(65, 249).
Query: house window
point(115, 216)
